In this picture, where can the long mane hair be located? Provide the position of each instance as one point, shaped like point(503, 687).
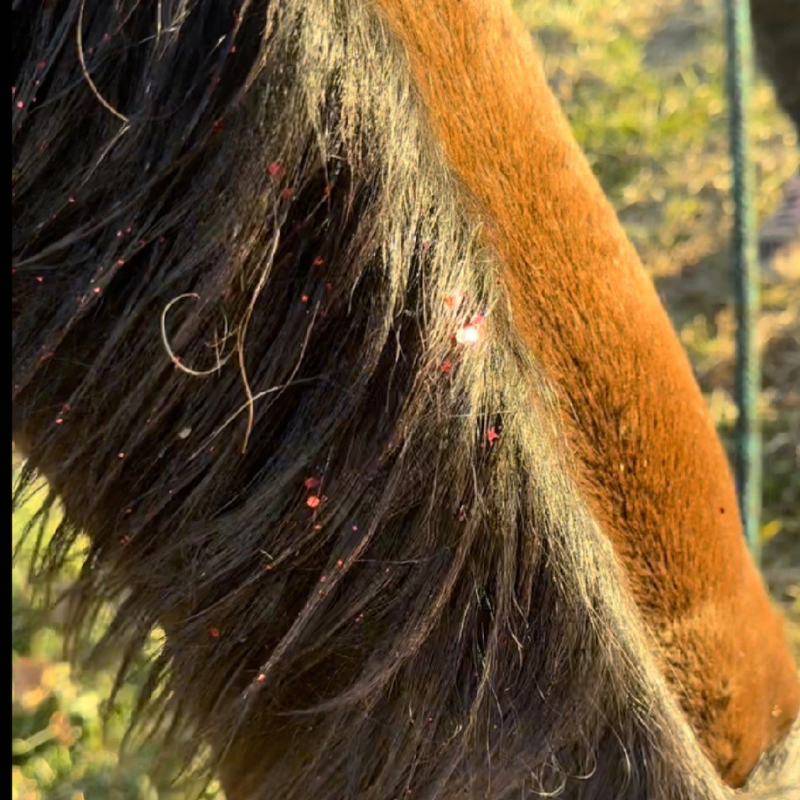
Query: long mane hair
point(262, 355)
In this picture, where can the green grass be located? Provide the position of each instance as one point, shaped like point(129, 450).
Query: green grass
point(63, 746)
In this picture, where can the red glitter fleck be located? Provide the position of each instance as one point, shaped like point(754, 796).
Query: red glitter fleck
point(121, 455)
point(303, 298)
point(120, 262)
point(340, 563)
point(124, 540)
point(426, 245)
point(66, 407)
point(313, 501)
point(286, 193)
point(355, 527)
point(71, 200)
point(41, 65)
point(214, 632)
point(217, 125)
point(453, 300)
point(268, 567)
point(492, 436)
point(317, 262)
point(311, 483)
point(322, 579)
point(446, 367)
point(318, 527)
point(326, 192)
point(59, 420)
point(20, 104)
point(39, 279)
point(233, 48)
point(275, 169)
point(128, 512)
point(261, 678)
point(97, 290)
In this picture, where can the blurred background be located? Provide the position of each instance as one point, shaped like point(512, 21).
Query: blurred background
point(643, 86)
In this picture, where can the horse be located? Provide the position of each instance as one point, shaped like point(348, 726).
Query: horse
point(326, 336)
point(776, 36)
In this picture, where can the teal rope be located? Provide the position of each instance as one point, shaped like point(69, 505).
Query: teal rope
point(746, 282)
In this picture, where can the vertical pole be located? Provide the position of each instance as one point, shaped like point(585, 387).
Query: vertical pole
point(746, 282)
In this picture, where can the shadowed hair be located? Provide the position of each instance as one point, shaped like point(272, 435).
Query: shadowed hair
point(776, 35)
point(262, 355)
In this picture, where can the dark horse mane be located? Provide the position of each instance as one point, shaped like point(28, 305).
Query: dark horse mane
point(262, 355)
